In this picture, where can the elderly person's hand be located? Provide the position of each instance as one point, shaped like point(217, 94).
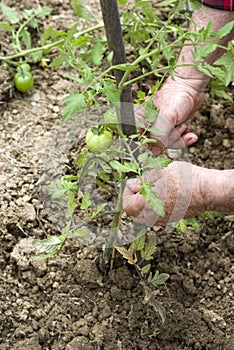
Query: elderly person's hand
point(186, 191)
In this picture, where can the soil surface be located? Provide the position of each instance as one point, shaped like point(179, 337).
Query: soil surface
point(66, 302)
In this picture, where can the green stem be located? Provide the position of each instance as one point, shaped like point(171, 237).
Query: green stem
point(20, 30)
point(123, 83)
point(117, 215)
point(29, 51)
point(129, 82)
point(45, 47)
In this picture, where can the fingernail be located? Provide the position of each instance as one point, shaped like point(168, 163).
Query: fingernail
point(191, 140)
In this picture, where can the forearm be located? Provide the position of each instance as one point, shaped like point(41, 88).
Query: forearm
point(216, 188)
point(200, 19)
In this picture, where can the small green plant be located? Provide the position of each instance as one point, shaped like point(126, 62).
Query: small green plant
point(20, 25)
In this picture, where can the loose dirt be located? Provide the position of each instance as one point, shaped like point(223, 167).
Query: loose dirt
point(66, 302)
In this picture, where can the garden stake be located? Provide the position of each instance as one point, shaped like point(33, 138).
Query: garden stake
point(110, 14)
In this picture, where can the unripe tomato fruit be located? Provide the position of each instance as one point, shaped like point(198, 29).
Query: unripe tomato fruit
point(23, 81)
point(98, 138)
point(23, 78)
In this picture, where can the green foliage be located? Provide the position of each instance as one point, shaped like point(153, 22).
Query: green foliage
point(151, 197)
point(140, 252)
point(20, 29)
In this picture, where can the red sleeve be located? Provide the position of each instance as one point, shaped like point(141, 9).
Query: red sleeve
point(226, 5)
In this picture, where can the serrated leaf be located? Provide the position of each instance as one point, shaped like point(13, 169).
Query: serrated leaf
point(6, 26)
point(80, 10)
point(49, 246)
point(204, 70)
point(60, 186)
point(47, 34)
point(37, 56)
point(74, 103)
point(159, 278)
point(85, 202)
point(10, 14)
point(111, 92)
point(71, 204)
point(151, 112)
point(156, 132)
point(195, 224)
point(126, 254)
point(81, 157)
point(149, 249)
point(26, 38)
point(139, 243)
point(157, 162)
point(181, 226)
point(97, 53)
point(126, 167)
point(151, 197)
point(203, 52)
point(208, 31)
point(195, 4)
point(71, 32)
point(143, 157)
point(43, 11)
point(57, 62)
point(99, 210)
point(225, 30)
point(55, 189)
point(145, 269)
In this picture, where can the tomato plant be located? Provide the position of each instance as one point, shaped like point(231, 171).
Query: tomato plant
point(98, 138)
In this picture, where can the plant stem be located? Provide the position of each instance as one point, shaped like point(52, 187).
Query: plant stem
point(45, 47)
point(29, 51)
point(23, 25)
point(117, 216)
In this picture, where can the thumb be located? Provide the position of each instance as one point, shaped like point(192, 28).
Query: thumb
point(133, 201)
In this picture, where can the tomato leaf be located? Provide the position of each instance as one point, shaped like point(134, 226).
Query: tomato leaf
point(111, 92)
point(80, 10)
point(127, 254)
point(10, 14)
point(85, 202)
point(74, 103)
point(151, 197)
point(157, 162)
point(139, 243)
point(6, 26)
point(225, 30)
point(149, 249)
point(126, 167)
point(159, 278)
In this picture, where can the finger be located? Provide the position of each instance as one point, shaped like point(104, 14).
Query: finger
point(186, 140)
point(133, 186)
point(133, 204)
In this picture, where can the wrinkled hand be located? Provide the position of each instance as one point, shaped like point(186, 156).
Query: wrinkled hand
point(176, 185)
point(177, 101)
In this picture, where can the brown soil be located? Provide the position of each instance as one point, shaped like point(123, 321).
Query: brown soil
point(66, 302)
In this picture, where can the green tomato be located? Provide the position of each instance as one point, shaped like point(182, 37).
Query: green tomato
point(98, 138)
point(23, 81)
